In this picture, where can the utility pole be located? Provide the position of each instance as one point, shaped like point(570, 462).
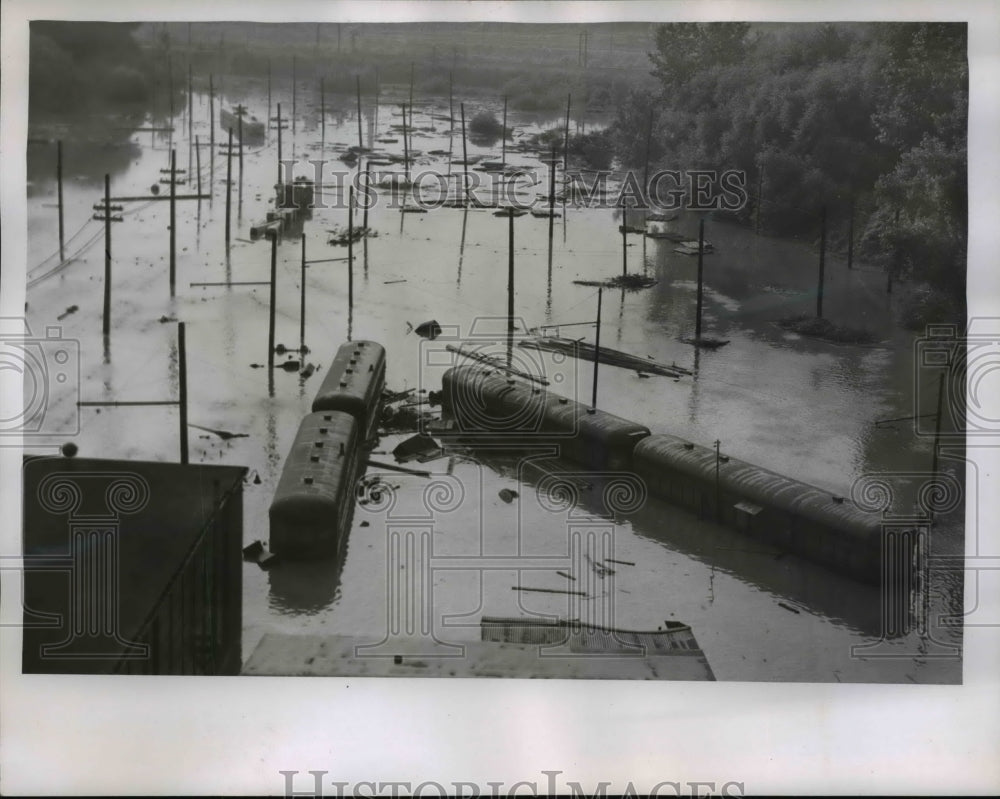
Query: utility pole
point(503, 137)
point(59, 194)
point(106, 216)
point(229, 185)
point(361, 142)
point(270, 326)
point(280, 125)
point(302, 305)
point(597, 351)
point(465, 158)
point(182, 381)
point(350, 248)
point(173, 181)
point(569, 100)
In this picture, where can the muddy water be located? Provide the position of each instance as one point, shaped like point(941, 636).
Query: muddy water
point(796, 405)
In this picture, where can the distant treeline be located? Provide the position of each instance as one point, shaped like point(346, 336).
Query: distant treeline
point(870, 117)
point(86, 65)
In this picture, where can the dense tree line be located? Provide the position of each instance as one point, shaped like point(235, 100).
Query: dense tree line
point(865, 119)
point(88, 66)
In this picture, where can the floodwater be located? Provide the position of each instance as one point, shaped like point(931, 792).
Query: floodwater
point(796, 405)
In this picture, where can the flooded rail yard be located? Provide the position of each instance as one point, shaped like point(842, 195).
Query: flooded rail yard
point(491, 532)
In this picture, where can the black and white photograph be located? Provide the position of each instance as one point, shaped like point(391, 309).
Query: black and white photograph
point(575, 343)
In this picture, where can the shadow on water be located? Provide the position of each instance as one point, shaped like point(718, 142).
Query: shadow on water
point(85, 162)
point(750, 561)
point(304, 588)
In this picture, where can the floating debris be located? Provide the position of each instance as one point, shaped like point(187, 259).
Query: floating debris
point(580, 349)
point(507, 495)
point(788, 607)
point(390, 282)
point(548, 590)
point(706, 343)
point(566, 575)
point(420, 447)
point(252, 551)
point(71, 310)
point(625, 562)
point(225, 435)
point(290, 366)
point(817, 327)
point(429, 329)
point(632, 282)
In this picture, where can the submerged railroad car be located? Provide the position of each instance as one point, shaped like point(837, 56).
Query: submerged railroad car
point(486, 402)
point(314, 503)
point(801, 518)
point(354, 384)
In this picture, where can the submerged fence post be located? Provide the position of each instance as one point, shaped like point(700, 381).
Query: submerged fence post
point(59, 196)
point(182, 382)
point(822, 262)
point(597, 351)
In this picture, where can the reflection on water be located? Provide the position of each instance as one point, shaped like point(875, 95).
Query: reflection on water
point(304, 587)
